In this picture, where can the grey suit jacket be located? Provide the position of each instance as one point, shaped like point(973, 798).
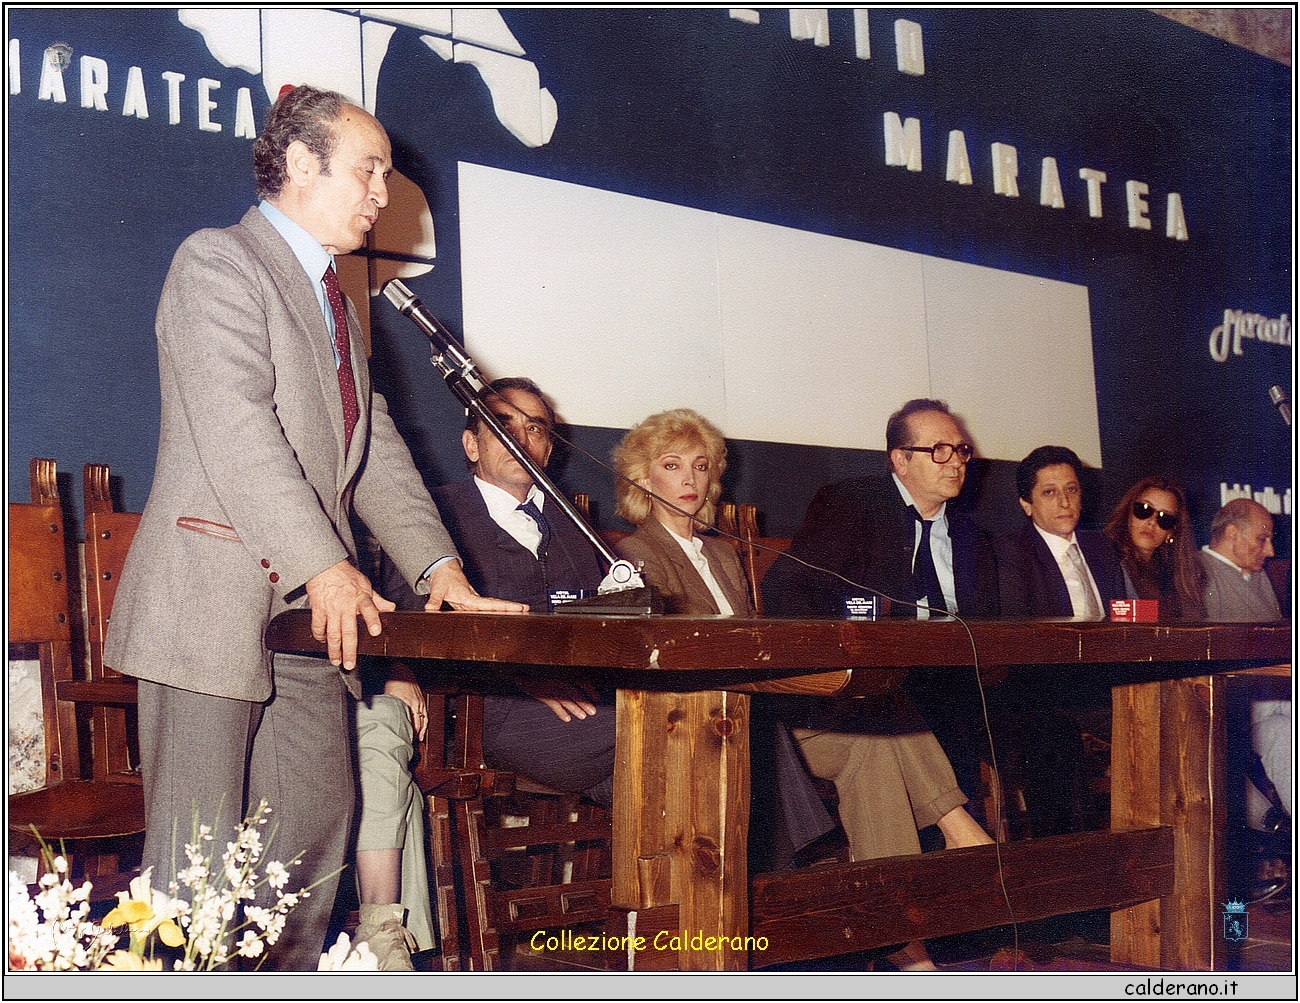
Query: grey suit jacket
point(668, 569)
point(253, 487)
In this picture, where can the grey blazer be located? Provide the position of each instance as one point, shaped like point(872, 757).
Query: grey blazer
point(253, 488)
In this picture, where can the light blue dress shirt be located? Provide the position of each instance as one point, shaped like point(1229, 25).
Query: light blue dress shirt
point(313, 258)
point(940, 550)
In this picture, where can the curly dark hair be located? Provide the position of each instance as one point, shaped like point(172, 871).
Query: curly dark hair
point(1044, 456)
point(1174, 574)
point(303, 113)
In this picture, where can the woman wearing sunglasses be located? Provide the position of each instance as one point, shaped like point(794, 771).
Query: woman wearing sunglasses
point(1157, 549)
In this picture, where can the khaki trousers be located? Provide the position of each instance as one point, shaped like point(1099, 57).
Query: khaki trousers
point(891, 775)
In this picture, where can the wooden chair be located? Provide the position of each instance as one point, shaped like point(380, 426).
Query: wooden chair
point(82, 812)
point(108, 536)
point(446, 781)
point(525, 857)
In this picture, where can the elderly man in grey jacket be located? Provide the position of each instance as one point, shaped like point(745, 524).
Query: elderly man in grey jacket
point(271, 439)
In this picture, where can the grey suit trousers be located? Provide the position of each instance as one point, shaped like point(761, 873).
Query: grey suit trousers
point(293, 751)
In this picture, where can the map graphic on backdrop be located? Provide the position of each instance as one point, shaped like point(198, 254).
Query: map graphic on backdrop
point(743, 340)
point(347, 51)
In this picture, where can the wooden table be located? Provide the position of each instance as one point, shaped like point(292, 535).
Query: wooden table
point(681, 811)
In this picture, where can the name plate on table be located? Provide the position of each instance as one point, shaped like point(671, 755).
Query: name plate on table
point(561, 596)
point(1135, 610)
point(862, 607)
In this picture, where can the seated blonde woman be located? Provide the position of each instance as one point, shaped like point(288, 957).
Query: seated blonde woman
point(889, 771)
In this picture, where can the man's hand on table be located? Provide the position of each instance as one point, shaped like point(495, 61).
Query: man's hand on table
point(338, 595)
point(448, 584)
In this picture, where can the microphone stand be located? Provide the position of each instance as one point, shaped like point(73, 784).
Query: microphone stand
point(622, 588)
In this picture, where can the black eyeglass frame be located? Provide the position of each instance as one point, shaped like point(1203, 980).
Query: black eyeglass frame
point(962, 449)
point(1142, 511)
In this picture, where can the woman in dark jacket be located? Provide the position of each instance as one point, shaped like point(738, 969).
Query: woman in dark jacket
point(1153, 535)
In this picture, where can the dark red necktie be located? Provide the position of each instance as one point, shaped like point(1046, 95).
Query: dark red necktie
point(343, 344)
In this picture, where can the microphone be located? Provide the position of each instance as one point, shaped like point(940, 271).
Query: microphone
point(1278, 396)
point(448, 356)
point(623, 587)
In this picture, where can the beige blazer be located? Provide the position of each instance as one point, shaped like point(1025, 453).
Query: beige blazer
point(668, 569)
point(253, 488)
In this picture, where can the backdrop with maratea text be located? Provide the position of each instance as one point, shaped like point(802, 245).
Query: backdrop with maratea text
point(1073, 225)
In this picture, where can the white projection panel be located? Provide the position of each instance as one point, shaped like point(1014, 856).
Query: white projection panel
point(1013, 355)
point(824, 337)
point(621, 306)
point(610, 303)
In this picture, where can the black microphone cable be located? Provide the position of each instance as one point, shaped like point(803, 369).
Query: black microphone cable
point(979, 683)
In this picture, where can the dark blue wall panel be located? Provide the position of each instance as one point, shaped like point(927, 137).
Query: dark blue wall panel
point(697, 109)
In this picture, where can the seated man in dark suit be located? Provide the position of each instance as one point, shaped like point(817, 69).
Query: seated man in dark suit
point(1050, 568)
point(899, 537)
point(560, 733)
point(870, 530)
point(1047, 568)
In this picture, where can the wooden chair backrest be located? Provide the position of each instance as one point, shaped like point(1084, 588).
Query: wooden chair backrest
point(39, 610)
point(108, 536)
point(758, 553)
point(727, 519)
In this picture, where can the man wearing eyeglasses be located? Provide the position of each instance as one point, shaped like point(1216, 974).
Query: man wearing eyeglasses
point(897, 536)
point(1048, 567)
point(551, 731)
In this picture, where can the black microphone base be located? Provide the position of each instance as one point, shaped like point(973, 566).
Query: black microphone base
point(629, 602)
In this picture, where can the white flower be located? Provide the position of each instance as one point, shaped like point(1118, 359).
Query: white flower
point(51, 932)
point(344, 957)
point(277, 875)
point(250, 945)
point(258, 916)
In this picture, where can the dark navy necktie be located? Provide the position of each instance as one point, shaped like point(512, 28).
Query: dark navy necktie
point(923, 573)
point(529, 509)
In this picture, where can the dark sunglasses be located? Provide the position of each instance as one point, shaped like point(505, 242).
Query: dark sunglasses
point(1142, 511)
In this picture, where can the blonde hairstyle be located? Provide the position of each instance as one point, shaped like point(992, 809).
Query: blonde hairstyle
point(654, 437)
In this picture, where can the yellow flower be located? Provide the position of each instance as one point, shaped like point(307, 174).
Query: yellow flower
point(145, 909)
point(129, 913)
point(125, 961)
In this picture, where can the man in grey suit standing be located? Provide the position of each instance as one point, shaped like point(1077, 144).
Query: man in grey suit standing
point(271, 439)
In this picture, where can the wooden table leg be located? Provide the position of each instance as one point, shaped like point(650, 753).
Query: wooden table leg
point(1168, 767)
point(681, 794)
